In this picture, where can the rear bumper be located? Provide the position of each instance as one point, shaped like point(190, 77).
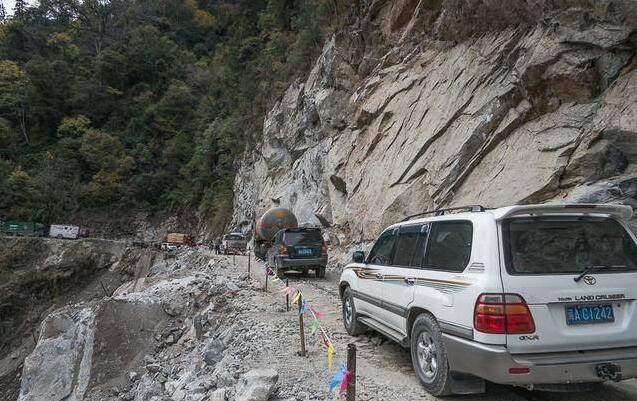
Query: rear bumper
point(492, 362)
point(306, 262)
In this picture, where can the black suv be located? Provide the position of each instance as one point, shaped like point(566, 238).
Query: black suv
point(298, 249)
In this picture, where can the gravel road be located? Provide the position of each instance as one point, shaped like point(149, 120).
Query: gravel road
point(384, 368)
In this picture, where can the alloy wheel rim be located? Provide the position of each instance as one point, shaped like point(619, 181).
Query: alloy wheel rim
point(348, 311)
point(427, 354)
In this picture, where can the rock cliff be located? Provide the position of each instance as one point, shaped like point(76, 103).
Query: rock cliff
point(419, 104)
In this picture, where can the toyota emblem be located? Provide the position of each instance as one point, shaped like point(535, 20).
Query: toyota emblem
point(590, 280)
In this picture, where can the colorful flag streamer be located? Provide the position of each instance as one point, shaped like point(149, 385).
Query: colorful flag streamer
point(316, 313)
point(297, 297)
point(346, 379)
point(314, 326)
point(343, 376)
point(337, 378)
point(330, 356)
point(303, 308)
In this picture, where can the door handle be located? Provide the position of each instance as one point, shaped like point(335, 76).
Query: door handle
point(410, 281)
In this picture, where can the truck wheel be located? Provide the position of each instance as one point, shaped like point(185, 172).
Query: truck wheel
point(429, 356)
point(320, 272)
point(280, 272)
point(350, 318)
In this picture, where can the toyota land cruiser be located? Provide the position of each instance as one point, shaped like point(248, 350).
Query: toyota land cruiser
point(540, 296)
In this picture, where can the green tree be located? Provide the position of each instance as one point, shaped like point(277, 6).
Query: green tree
point(14, 85)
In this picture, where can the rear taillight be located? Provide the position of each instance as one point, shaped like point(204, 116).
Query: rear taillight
point(283, 250)
point(324, 249)
point(502, 314)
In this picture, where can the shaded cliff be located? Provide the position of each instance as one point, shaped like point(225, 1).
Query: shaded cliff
point(423, 104)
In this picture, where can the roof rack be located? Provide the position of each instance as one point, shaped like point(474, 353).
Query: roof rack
point(440, 212)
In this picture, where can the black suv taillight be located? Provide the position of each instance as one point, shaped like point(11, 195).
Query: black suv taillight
point(283, 250)
point(323, 249)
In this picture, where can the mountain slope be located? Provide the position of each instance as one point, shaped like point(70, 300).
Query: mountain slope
point(422, 104)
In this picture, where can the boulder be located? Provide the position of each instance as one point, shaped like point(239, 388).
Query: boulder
point(256, 385)
point(213, 353)
point(91, 348)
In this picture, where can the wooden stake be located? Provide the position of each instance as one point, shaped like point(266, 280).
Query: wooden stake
point(249, 259)
point(301, 328)
point(351, 367)
point(287, 296)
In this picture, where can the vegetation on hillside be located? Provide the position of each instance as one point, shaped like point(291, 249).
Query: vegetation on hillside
point(111, 106)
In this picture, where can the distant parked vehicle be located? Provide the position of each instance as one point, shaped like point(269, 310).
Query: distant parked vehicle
point(64, 231)
point(169, 247)
point(22, 228)
point(298, 249)
point(234, 243)
point(84, 232)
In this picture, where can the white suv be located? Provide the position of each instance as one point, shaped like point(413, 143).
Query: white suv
point(541, 296)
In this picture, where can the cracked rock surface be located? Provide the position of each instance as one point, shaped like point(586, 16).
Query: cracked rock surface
point(418, 105)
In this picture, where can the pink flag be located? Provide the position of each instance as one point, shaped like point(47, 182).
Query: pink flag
point(316, 313)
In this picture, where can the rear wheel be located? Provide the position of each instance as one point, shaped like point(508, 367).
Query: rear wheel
point(350, 319)
point(429, 356)
point(280, 271)
point(320, 272)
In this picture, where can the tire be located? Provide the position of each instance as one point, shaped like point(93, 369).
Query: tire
point(429, 356)
point(320, 272)
point(350, 318)
point(280, 272)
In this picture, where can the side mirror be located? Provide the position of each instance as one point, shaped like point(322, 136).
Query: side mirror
point(358, 257)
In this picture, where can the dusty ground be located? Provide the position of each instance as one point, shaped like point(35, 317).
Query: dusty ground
point(217, 325)
point(384, 368)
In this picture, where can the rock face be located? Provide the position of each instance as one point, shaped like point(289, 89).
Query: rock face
point(424, 104)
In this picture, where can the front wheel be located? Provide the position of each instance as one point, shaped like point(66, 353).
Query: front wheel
point(350, 319)
point(429, 356)
point(320, 272)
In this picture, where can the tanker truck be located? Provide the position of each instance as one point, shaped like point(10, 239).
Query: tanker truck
point(272, 221)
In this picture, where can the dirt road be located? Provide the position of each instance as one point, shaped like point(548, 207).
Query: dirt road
point(384, 368)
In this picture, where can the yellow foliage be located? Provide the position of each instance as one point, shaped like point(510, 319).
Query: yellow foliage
point(204, 19)
point(59, 39)
point(19, 178)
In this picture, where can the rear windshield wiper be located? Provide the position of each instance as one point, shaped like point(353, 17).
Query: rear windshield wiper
point(590, 269)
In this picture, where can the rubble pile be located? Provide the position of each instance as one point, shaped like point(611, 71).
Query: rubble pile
point(189, 333)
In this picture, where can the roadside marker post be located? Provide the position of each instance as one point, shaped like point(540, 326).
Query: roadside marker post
point(234, 260)
point(301, 327)
point(287, 296)
point(249, 262)
point(351, 368)
point(267, 273)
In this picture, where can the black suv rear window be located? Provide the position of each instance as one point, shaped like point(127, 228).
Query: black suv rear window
point(309, 237)
point(567, 245)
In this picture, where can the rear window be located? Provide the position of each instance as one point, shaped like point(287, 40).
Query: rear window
point(567, 245)
point(233, 237)
point(310, 237)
